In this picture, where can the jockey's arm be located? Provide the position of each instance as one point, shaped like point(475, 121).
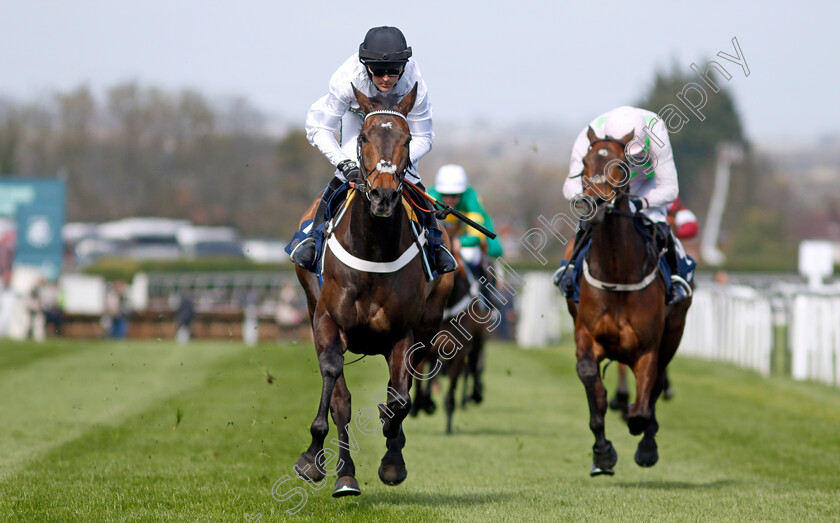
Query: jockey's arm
point(665, 171)
point(420, 123)
point(323, 119)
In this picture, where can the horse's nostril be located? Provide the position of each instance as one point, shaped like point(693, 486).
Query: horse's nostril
point(375, 194)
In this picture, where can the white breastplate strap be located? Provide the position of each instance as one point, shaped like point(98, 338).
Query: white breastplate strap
point(618, 287)
point(370, 266)
point(464, 302)
point(458, 308)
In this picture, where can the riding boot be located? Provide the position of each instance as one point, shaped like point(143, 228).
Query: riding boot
point(304, 254)
point(563, 277)
point(680, 289)
point(442, 260)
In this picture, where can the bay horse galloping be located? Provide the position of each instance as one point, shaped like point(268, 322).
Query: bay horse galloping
point(461, 353)
point(374, 299)
point(622, 315)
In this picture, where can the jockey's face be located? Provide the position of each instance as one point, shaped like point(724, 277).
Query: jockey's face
point(451, 200)
point(385, 82)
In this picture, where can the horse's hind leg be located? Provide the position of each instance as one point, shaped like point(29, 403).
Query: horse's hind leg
point(346, 484)
point(423, 393)
point(456, 369)
point(621, 400)
point(604, 456)
point(331, 361)
point(476, 366)
point(392, 469)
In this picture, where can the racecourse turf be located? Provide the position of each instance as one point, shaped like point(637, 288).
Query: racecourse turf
point(153, 431)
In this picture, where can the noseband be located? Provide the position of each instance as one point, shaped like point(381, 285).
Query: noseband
point(382, 166)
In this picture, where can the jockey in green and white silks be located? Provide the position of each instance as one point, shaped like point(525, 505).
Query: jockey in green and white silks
point(451, 181)
point(653, 183)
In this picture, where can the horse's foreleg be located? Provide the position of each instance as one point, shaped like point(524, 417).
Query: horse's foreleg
point(604, 456)
point(330, 348)
point(648, 377)
point(346, 484)
point(392, 469)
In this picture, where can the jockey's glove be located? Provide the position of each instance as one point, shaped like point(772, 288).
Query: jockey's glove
point(638, 204)
point(350, 171)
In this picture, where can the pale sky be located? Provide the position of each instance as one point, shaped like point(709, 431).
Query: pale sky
point(509, 61)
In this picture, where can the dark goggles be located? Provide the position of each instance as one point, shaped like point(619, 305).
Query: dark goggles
point(376, 70)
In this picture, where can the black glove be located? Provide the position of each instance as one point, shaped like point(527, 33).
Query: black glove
point(351, 171)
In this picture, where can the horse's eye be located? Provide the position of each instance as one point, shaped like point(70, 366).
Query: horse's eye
point(363, 138)
point(408, 141)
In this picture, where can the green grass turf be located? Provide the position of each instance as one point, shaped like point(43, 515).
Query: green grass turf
point(153, 431)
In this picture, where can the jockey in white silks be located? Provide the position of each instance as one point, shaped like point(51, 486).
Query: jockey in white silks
point(653, 181)
point(383, 65)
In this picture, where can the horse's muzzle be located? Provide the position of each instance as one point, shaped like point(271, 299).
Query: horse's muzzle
point(383, 202)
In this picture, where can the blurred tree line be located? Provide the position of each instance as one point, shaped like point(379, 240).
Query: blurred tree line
point(143, 151)
point(147, 152)
point(752, 232)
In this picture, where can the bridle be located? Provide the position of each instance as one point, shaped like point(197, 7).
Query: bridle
point(383, 166)
point(603, 178)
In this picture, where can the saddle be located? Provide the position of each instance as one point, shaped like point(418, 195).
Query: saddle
point(671, 258)
point(425, 233)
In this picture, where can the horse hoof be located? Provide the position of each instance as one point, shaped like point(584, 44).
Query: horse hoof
point(596, 471)
point(392, 474)
point(646, 457)
point(668, 393)
point(346, 486)
point(307, 470)
point(603, 461)
point(430, 407)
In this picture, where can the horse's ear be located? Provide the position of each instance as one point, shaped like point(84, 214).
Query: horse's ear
point(365, 103)
point(407, 103)
point(591, 135)
point(627, 137)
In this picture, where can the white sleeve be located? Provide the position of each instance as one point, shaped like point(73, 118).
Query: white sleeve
point(664, 173)
point(420, 123)
point(324, 117)
point(574, 184)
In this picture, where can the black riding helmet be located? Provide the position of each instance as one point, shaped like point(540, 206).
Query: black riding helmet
point(384, 48)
